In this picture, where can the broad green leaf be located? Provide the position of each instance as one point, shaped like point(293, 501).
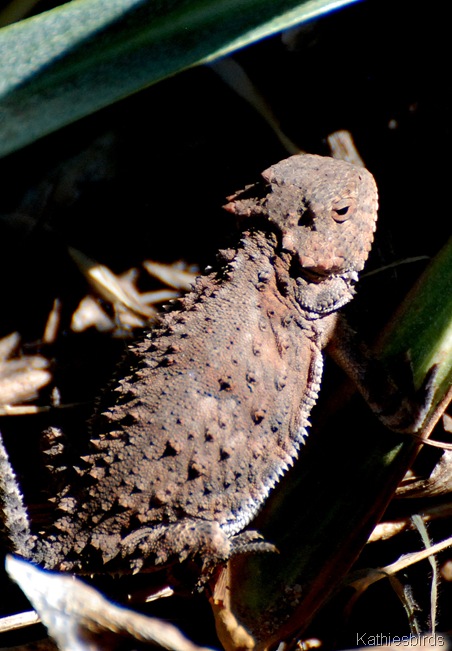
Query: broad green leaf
point(71, 61)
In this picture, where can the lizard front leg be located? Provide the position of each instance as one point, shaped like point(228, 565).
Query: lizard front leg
point(190, 538)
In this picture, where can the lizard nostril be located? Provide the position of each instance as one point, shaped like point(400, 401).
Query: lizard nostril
point(306, 218)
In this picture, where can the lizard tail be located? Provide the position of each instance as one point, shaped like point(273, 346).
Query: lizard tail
point(15, 536)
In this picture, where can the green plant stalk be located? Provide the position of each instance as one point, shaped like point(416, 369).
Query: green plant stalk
point(423, 325)
point(71, 61)
point(322, 513)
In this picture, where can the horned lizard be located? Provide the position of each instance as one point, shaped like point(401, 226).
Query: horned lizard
point(211, 407)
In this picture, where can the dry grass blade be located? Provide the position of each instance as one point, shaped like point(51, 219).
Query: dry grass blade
point(109, 286)
point(21, 377)
point(235, 76)
point(8, 345)
point(133, 309)
point(405, 561)
point(170, 275)
point(16, 622)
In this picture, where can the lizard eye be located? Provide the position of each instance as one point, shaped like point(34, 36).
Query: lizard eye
point(341, 213)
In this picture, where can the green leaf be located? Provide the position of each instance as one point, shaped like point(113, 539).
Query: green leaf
point(69, 62)
point(424, 320)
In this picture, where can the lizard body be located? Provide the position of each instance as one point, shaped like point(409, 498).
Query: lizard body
point(213, 404)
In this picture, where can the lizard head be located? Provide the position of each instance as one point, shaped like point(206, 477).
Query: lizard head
point(324, 211)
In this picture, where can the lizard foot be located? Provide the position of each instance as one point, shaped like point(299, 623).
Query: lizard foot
point(182, 540)
point(250, 542)
point(189, 539)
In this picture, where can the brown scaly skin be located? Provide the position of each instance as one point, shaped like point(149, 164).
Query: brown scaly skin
point(214, 403)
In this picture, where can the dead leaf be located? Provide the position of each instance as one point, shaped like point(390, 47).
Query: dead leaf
point(79, 618)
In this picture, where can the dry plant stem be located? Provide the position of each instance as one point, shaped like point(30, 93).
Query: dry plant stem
point(431, 422)
point(405, 561)
point(342, 146)
point(235, 76)
point(415, 557)
point(170, 275)
point(422, 529)
point(16, 622)
point(22, 410)
point(386, 530)
point(53, 323)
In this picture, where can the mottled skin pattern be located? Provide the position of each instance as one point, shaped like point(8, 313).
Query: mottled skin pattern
point(213, 404)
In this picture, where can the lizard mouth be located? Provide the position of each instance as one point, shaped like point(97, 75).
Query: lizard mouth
point(315, 275)
point(310, 274)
